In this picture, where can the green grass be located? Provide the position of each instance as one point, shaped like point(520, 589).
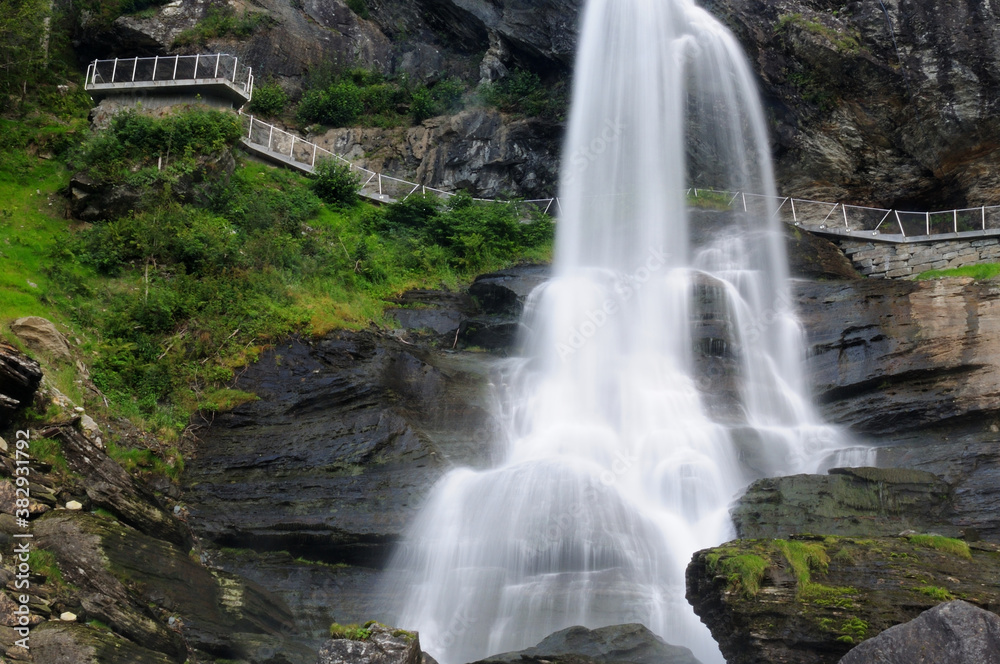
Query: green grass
point(978, 272)
point(744, 572)
point(949, 545)
point(804, 558)
point(43, 562)
point(936, 592)
point(143, 460)
point(353, 631)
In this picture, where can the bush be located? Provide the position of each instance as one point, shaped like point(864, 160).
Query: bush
point(223, 22)
point(268, 99)
point(523, 92)
point(421, 104)
point(359, 7)
point(338, 106)
point(335, 183)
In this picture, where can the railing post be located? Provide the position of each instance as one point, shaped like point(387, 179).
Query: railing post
point(250, 132)
point(235, 62)
point(955, 212)
point(927, 217)
point(899, 221)
point(218, 56)
point(379, 184)
point(291, 150)
point(847, 226)
point(114, 70)
point(313, 163)
point(176, 60)
point(744, 197)
point(135, 65)
point(984, 218)
point(270, 134)
point(156, 61)
point(196, 65)
point(794, 218)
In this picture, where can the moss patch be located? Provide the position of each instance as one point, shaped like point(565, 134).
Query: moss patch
point(947, 545)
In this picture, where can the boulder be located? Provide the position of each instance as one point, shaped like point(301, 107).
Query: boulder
point(860, 502)
point(955, 632)
point(382, 645)
point(41, 335)
point(616, 644)
point(809, 600)
point(504, 293)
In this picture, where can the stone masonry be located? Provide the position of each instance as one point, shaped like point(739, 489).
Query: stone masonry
point(888, 260)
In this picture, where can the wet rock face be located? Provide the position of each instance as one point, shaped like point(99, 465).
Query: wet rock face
point(892, 358)
point(383, 645)
point(894, 107)
point(336, 457)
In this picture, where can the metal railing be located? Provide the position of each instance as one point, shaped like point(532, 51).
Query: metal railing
point(858, 220)
point(303, 154)
point(199, 69)
point(835, 218)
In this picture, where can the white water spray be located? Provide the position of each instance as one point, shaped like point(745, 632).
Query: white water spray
point(664, 365)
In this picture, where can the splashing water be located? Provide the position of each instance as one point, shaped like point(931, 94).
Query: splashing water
point(663, 369)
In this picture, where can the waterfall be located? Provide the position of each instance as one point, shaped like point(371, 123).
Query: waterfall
point(663, 363)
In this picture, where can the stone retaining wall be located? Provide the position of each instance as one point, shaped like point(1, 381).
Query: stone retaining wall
point(885, 260)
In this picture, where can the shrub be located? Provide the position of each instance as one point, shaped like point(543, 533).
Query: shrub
point(523, 92)
point(339, 105)
point(359, 7)
point(223, 22)
point(335, 183)
point(421, 104)
point(268, 98)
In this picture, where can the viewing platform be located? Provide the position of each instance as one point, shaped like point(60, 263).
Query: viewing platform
point(218, 75)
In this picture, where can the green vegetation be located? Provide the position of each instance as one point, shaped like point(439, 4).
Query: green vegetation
point(140, 150)
point(168, 299)
point(365, 97)
point(949, 545)
point(43, 563)
point(709, 200)
point(139, 461)
point(804, 558)
point(335, 184)
point(843, 41)
point(523, 92)
point(222, 22)
point(269, 98)
point(978, 272)
point(936, 592)
point(359, 7)
point(354, 632)
point(744, 572)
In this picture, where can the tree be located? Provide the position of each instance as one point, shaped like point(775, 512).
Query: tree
point(23, 41)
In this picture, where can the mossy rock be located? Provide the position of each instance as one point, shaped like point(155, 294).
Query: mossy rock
point(816, 597)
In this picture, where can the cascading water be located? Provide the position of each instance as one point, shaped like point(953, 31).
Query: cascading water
point(663, 369)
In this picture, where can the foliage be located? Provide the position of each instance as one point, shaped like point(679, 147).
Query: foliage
point(269, 98)
point(523, 92)
point(359, 7)
point(804, 558)
point(361, 96)
point(472, 235)
point(978, 272)
point(22, 33)
point(44, 563)
point(844, 41)
point(936, 592)
point(223, 22)
point(950, 545)
point(134, 142)
point(335, 183)
point(744, 572)
point(709, 200)
point(353, 631)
